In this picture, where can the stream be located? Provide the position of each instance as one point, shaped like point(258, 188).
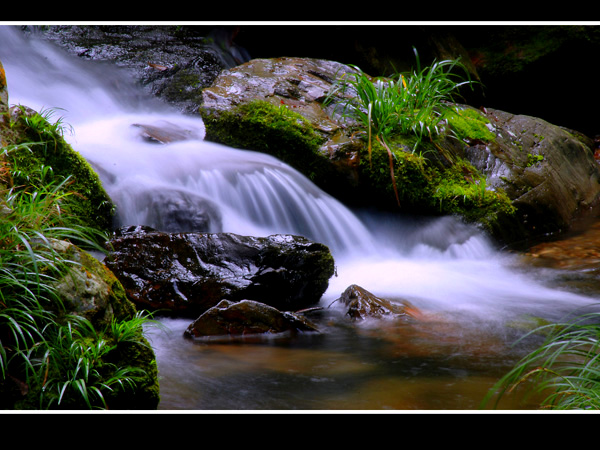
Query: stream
point(475, 299)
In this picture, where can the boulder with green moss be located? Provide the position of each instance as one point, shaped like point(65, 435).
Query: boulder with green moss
point(90, 290)
point(480, 167)
point(37, 153)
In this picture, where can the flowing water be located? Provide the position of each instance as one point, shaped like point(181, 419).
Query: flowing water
point(473, 297)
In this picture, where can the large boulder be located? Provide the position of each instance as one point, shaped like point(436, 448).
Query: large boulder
point(537, 177)
point(548, 172)
point(276, 106)
point(188, 273)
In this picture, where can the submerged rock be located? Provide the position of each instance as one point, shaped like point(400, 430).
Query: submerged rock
point(174, 210)
point(188, 273)
point(244, 318)
point(165, 132)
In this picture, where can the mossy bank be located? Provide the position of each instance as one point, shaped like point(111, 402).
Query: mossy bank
point(38, 153)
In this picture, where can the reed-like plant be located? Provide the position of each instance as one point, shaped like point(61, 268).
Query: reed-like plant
point(564, 371)
point(75, 366)
point(409, 104)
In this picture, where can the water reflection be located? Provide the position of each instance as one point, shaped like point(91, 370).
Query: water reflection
point(348, 367)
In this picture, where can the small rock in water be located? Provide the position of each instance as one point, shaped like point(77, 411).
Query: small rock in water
point(243, 318)
point(165, 132)
point(362, 304)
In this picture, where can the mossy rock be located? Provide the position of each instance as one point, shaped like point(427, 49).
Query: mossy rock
point(38, 154)
point(518, 177)
point(430, 185)
point(263, 126)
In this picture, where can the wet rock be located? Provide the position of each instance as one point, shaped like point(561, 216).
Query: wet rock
point(188, 273)
point(172, 63)
point(165, 132)
point(244, 318)
point(362, 304)
point(301, 86)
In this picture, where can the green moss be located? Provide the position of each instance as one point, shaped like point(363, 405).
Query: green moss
point(410, 173)
point(427, 188)
point(532, 160)
point(265, 127)
point(469, 124)
point(462, 190)
point(40, 152)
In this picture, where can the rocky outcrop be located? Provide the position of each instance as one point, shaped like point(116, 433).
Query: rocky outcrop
point(188, 273)
point(296, 89)
point(548, 173)
point(246, 318)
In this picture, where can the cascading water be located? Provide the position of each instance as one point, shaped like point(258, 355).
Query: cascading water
point(438, 265)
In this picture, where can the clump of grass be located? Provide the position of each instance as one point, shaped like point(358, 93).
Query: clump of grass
point(565, 369)
point(61, 357)
point(411, 104)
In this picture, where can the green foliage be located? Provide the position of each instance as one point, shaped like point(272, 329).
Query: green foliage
point(408, 105)
point(468, 124)
point(75, 368)
point(49, 359)
point(565, 369)
point(463, 190)
point(42, 153)
point(532, 160)
point(59, 356)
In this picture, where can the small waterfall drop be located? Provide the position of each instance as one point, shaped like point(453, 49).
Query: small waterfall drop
point(441, 264)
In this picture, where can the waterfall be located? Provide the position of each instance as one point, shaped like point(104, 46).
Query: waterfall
point(436, 264)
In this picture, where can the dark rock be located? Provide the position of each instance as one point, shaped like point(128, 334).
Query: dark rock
point(188, 273)
point(177, 211)
point(244, 318)
point(362, 304)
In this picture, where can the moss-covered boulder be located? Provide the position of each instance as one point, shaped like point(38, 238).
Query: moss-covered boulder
point(547, 171)
point(90, 290)
point(480, 167)
point(276, 106)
